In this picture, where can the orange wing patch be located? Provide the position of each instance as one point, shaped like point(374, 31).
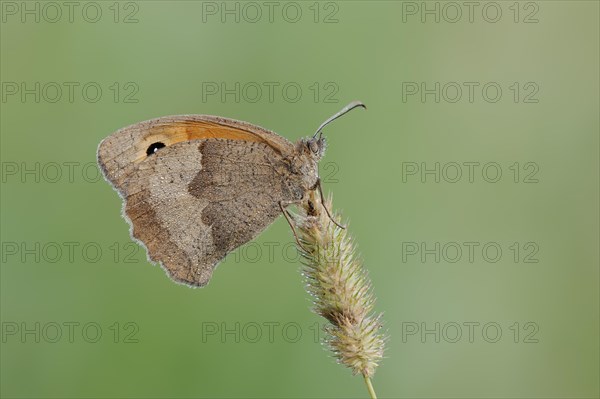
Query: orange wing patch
point(175, 132)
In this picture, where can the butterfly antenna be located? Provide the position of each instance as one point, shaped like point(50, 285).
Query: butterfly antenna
point(341, 112)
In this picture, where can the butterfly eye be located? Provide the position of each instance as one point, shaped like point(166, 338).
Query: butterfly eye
point(314, 147)
point(154, 147)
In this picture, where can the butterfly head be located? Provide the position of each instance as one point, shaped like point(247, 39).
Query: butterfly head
point(315, 147)
point(316, 144)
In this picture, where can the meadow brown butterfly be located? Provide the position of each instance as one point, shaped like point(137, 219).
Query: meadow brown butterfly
point(196, 187)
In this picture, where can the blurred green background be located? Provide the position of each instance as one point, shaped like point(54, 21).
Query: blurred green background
point(108, 324)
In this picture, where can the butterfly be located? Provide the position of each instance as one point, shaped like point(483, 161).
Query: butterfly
point(196, 187)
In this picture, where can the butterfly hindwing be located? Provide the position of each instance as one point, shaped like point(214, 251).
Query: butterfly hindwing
point(243, 184)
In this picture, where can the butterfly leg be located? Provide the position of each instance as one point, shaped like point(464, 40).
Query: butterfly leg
point(318, 186)
point(282, 206)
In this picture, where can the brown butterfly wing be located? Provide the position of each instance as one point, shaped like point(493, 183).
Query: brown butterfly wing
point(214, 186)
point(120, 153)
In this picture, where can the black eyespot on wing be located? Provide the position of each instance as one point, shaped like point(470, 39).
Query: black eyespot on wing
point(154, 147)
